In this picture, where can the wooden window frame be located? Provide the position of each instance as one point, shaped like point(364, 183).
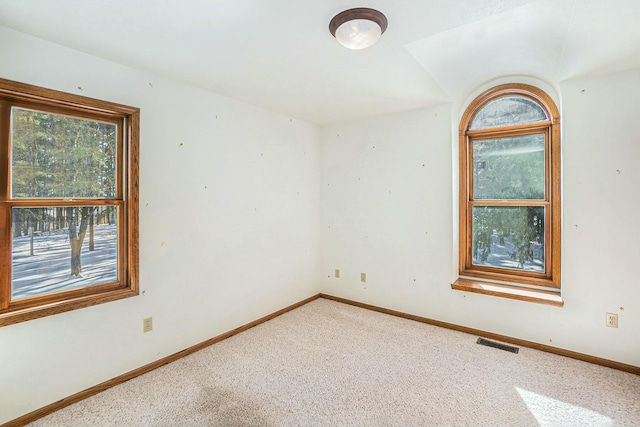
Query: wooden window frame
point(15, 94)
point(471, 276)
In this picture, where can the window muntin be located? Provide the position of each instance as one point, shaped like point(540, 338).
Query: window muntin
point(510, 187)
point(68, 202)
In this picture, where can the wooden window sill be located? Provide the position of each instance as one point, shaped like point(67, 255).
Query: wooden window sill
point(507, 291)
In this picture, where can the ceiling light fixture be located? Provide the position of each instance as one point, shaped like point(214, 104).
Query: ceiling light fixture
point(358, 28)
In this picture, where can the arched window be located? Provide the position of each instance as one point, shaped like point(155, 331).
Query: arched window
point(510, 188)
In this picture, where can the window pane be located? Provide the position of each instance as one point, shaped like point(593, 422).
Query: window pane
point(510, 237)
point(509, 168)
point(60, 248)
point(62, 157)
point(507, 111)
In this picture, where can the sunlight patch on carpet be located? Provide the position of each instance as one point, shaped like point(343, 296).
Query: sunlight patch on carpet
point(551, 412)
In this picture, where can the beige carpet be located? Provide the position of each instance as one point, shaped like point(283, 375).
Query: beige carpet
point(331, 364)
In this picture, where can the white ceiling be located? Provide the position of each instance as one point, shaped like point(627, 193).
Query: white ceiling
point(279, 54)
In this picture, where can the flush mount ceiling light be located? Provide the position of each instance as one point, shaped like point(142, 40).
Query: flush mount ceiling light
point(358, 28)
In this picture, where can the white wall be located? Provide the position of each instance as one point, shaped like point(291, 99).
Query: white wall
point(229, 231)
point(390, 212)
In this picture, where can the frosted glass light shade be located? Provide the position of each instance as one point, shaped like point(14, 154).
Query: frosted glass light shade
point(358, 34)
point(358, 28)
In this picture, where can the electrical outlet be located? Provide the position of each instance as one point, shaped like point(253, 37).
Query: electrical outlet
point(363, 277)
point(147, 324)
point(337, 273)
point(612, 320)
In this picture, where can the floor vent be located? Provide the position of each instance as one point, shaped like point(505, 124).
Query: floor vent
point(494, 344)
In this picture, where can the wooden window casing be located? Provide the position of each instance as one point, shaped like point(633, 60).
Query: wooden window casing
point(550, 128)
point(126, 199)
